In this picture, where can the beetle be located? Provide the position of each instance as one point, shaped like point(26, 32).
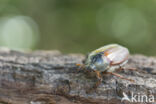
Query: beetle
point(107, 59)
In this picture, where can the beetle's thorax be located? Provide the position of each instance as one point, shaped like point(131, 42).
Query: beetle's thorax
point(98, 62)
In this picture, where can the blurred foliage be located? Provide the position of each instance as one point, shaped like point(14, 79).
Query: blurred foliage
point(78, 25)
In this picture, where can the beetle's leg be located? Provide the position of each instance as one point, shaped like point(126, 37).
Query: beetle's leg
point(118, 75)
point(98, 75)
point(135, 69)
point(132, 69)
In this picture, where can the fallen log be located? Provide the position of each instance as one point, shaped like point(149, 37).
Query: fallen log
point(49, 77)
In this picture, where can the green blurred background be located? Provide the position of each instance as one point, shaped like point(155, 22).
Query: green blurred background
point(78, 26)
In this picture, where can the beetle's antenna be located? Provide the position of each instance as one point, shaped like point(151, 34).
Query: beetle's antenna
point(81, 66)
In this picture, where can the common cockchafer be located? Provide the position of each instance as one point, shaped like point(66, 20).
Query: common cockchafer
point(107, 59)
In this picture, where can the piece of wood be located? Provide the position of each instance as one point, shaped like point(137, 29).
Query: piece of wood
point(49, 77)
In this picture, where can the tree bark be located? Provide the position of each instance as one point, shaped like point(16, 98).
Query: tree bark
point(49, 77)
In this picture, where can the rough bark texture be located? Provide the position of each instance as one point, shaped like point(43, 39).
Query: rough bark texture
point(49, 77)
